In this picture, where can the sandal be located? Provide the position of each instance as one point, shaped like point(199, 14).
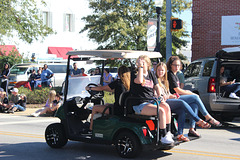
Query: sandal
point(182, 138)
point(193, 133)
point(203, 124)
point(214, 122)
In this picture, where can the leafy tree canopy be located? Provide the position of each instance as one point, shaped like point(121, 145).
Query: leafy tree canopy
point(122, 24)
point(23, 18)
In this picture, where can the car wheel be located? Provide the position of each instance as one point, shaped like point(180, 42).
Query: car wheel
point(127, 145)
point(55, 135)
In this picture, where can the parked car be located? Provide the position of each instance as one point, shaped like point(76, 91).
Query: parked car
point(21, 72)
point(202, 77)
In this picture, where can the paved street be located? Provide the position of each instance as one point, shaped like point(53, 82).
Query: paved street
point(22, 137)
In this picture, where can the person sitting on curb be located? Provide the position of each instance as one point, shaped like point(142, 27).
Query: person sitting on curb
point(14, 99)
point(53, 107)
point(20, 105)
point(3, 101)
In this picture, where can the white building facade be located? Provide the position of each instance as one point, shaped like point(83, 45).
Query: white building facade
point(64, 17)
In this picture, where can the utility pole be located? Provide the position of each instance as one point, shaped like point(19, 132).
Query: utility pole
point(168, 29)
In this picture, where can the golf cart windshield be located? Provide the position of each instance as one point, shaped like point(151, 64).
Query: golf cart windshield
point(76, 86)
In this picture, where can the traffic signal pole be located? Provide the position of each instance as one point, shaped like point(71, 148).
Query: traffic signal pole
point(168, 29)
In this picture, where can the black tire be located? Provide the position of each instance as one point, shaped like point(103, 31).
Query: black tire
point(127, 145)
point(55, 135)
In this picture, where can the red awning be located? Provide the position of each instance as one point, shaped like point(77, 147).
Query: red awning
point(5, 49)
point(60, 51)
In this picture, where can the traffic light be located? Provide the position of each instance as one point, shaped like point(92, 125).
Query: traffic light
point(176, 24)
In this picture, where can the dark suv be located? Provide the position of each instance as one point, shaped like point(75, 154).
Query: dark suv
point(202, 76)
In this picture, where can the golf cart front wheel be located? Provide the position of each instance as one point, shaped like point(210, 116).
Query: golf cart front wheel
point(55, 135)
point(127, 145)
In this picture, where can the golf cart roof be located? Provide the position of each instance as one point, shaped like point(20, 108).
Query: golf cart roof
point(232, 53)
point(107, 54)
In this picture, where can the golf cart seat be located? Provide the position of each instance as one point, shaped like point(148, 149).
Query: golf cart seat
point(124, 100)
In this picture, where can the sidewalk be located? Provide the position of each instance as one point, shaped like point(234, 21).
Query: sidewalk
point(27, 112)
point(30, 108)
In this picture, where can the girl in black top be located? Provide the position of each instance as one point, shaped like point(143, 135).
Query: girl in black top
point(32, 78)
point(173, 65)
point(143, 85)
point(4, 77)
point(119, 86)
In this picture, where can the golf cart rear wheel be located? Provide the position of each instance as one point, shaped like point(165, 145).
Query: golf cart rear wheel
point(55, 135)
point(127, 145)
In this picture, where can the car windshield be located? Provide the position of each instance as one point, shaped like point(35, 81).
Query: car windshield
point(18, 70)
point(58, 68)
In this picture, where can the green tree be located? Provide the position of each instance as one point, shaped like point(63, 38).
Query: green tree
point(22, 18)
point(12, 58)
point(122, 24)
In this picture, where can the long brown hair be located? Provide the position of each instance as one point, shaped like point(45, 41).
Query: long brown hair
point(171, 60)
point(163, 81)
point(124, 75)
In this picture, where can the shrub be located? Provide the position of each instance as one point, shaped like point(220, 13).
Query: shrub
point(38, 96)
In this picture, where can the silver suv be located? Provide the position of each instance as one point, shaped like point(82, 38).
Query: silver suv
point(202, 76)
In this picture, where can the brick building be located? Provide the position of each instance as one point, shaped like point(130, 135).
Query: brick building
point(206, 25)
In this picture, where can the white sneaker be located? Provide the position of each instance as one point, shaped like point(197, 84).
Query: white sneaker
point(167, 139)
point(170, 134)
point(35, 114)
point(233, 95)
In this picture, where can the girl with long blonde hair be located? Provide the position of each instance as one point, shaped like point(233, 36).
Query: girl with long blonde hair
point(143, 85)
point(51, 97)
point(178, 106)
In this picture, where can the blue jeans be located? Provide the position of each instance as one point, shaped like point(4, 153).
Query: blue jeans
point(45, 84)
point(180, 107)
point(196, 104)
point(233, 88)
point(19, 107)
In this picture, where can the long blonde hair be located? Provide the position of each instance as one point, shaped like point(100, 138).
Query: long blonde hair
point(163, 81)
point(147, 59)
point(52, 94)
point(124, 74)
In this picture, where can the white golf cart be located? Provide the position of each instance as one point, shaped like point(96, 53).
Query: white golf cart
point(129, 133)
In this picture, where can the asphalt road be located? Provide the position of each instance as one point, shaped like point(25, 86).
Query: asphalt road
point(22, 138)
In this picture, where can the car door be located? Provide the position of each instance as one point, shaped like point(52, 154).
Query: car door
point(229, 58)
point(191, 75)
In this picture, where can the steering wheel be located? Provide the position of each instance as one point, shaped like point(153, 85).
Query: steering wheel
point(95, 94)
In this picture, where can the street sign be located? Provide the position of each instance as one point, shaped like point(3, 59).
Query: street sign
point(151, 34)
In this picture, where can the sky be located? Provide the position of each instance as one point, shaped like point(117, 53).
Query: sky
point(186, 16)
